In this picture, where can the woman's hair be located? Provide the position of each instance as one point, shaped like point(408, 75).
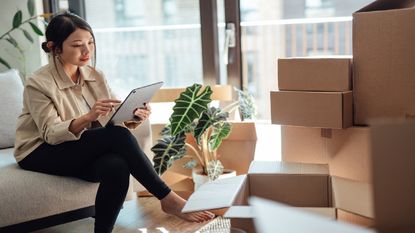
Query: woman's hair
point(59, 28)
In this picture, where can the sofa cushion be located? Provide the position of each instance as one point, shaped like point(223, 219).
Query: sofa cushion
point(11, 96)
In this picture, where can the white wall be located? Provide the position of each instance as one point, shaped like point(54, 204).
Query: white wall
point(34, 55)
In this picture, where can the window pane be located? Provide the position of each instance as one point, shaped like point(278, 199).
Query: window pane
point(290, 28)
point(139, 42)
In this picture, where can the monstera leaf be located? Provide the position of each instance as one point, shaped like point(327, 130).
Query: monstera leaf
point(167, 150)
point(188, 107)
point(208, 118)
point(214, 169)
point(220, 132)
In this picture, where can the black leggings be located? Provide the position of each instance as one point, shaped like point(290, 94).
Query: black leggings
point(105, 155)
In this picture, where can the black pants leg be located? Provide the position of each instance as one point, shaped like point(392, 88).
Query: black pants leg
point(105, 155)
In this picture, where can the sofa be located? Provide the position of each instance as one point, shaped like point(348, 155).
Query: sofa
point(31, 200)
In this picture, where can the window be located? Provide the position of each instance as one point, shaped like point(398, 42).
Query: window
point(140, 42)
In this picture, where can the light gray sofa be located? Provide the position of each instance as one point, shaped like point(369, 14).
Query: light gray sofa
point(31, 200)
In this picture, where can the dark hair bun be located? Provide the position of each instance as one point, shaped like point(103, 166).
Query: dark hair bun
point(45, 47)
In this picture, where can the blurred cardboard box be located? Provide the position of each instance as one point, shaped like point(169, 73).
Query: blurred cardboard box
point(272, 217)
point(383, 57)
point(347, 151)
point(301, 185)
point(314, 74)
point(312, 109)
point(393, 151)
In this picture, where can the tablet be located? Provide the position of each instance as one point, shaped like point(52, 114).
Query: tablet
point(135, 99)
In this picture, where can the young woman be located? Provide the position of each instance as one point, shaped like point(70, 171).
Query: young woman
point(60, 129)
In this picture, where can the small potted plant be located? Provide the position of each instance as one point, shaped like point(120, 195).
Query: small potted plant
point(193, 117)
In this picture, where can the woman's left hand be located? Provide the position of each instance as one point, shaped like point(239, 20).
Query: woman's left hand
point(143, 113)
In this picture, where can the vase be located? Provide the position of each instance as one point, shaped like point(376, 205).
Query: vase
point(199, 178)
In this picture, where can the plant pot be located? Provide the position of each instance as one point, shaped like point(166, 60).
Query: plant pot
point(199, 178)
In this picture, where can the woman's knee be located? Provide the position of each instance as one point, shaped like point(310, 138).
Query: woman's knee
point(115, 169)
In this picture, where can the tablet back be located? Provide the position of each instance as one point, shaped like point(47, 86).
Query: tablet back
point(134, 100)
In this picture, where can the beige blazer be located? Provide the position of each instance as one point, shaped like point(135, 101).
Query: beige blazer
point(51, 100)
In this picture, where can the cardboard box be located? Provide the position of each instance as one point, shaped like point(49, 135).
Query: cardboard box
point(301, 185)
point(383, 57)
point(347, 151)
point(315, 74)
point(393, 151)
point(353, 196)
point(271, 217)
point(220, 92)
point(312, 109)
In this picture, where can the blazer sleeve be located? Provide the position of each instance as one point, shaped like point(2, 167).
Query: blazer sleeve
point(42, 109)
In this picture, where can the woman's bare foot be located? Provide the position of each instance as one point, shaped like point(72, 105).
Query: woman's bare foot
point(173, 204)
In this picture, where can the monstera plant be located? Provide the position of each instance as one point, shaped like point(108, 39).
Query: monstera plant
point(192, 115)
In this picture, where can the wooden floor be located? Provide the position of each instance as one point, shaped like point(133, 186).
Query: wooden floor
point(142, 215)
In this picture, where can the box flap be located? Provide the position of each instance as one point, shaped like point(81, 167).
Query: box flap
point(294, 220)
point(215, 195)
point(353, 196)
point(381, 5)
point(272, 167)
point(239, 212)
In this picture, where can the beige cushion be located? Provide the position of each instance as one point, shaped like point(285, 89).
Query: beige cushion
point(11, 96)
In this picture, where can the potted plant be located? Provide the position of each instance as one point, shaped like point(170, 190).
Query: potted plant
point(18, 26)
point(193, 117)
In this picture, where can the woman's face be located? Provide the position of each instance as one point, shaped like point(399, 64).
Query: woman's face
point(78, 48)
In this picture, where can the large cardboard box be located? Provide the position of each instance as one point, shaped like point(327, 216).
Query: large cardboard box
point(312, 109)
point(301, 185)
point(347, 151)
point(314, 74)
point(346, 216)
point(272, 217)
point(393, 151)
point(383, 57)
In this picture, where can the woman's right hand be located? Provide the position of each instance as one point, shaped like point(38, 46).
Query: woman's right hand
point(101, 108)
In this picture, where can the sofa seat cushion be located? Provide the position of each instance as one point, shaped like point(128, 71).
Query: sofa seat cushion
point(26, 195)
point(11, 95)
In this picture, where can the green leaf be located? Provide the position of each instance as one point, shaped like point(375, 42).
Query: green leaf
point(167, 150)
point(17, 19)
point(208, 118)
point(247, 107)
point(2, 61)
point(189, 106)
point(12, 41)
point(220, 132)
point(214, 169)
point(31, 7)
point(27, 35)
point(36, 29)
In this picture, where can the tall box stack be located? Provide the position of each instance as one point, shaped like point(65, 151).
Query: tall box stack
point(314, 106)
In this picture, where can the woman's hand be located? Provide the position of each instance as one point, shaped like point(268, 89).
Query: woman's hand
point(101, 108)
point(141, 114)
